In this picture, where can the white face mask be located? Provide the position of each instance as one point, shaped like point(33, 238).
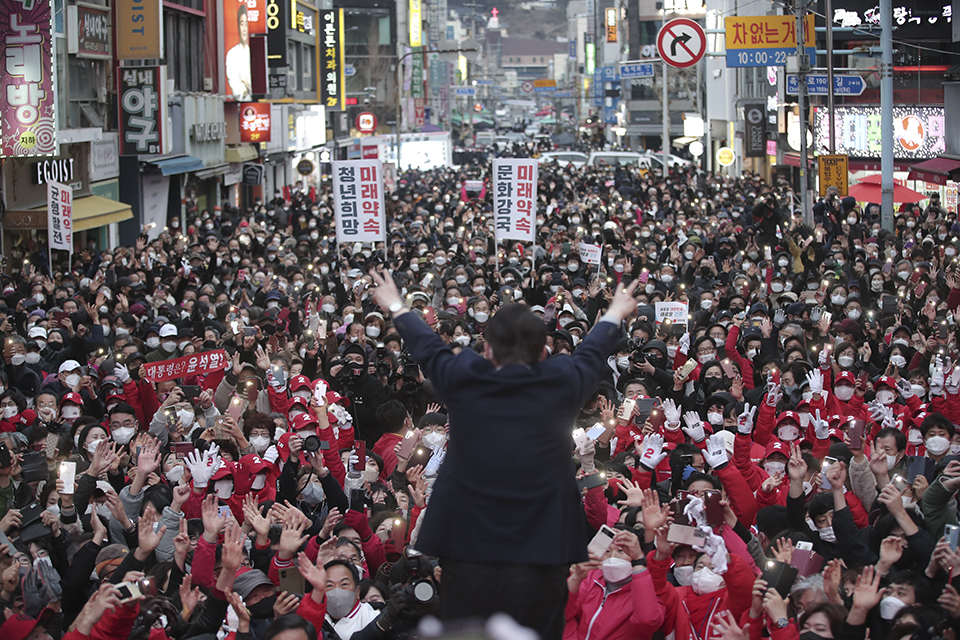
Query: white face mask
point(714, 418)
point(223, 488)
point(845, 361)
point(751, 354)
point(170, 346)
point(72, 380)
point(776, 287)
point(186, 418)
point(666, 279)
point(123, 435)
point(616, 569)
point(32, 358)
point(462, 340)
point(683, 575)
point(92, 446)
point(672, 351)
point(174, 474)
point(328, 308)
point(891, 462)
point(827, 534)
point(153, 342)
point(706, 304)
point(886, 397)
point(260, 443)
point(704, 359)
point(623, 363)
point(773, 468)
point(853, 314)
point(898, 361)
point(844, 392)
point(889, 607)
point(259, 482)
point(788, 432)
point(838, 300)
point(706, 581)
point(937, 445)
point(372, 330)
point(481, 316)
point(434, 439)
point(70, 412)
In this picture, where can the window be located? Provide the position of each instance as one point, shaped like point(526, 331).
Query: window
point(178, 28)
point(292, 69)
point(307, 58)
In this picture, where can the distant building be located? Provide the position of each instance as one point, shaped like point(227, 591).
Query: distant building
point(529, 58)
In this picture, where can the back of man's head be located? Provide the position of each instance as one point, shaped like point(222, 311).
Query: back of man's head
point(516, 335)
point(392, 415)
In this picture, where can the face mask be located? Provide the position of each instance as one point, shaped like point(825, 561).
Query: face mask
point(838, 300)
point(937, 445)
point(845, 361)
point(461, 279)
point(123, 435)
point(153, 343)
point(683, 575)
point(666, 279)
point(672, 351)
point(616, 570)
point(623, 363)
point(704, 359)
point(788, 389)
point(72, 380)
point(898, 361)
point(889, 607)
point(573, 266)
point(886, 397)
point(340, 602)
point(223, 488)
point(788, 432)
point(263, 609)
point(372, 330)
point(649, 287)
point(311, 494)
point(783, 262)
point(463, 340)
point(844, 392)
point(434, 439)
point(259, 482)
point(688, 255)
point(751, 354)
point(827, 534)
point(481, 317)
point(903, 275)
point(773, 468)
point(9, 412)
point(174, 474)
point(18, 359)
point(439, 261)
point(91, 446)
point(776, 287)
point(610, 262)
point(260, 443)
point(186, 418)
point(891, 462)
point(618, 268)
point(707, 304)
point(853, 314)
point(714, 418)
point(705, 581)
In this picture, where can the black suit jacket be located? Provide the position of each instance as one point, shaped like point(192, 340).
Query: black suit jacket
point(506, 491)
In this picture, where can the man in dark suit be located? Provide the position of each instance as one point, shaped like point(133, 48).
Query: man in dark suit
point(506, 518)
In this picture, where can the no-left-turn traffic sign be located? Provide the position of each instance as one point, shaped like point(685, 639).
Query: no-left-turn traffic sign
point(681, 42)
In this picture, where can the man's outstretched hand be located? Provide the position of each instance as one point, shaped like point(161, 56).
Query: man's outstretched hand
point(624, 304)
point(385, 293)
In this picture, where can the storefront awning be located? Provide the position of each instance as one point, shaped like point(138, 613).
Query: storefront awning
point(936, 170)
point(178, 165)
point(89, 212)
point(213, 172)
point(243, 153)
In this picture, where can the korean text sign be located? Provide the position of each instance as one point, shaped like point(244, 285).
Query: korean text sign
point(590, 253)
point(672, 311)
point(27, 97)
point(255, 122)
point(760, 41)
point(192, 365)
point(139, 29)
point(332, 84)
point(141, 110)
point(358, 200)
point(60, 216)
point(515, 198)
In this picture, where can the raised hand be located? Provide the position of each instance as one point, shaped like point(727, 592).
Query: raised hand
point(715, 454)
point(188, 597)
point(671, 413)
point(651, 451)
point(291, 538)
point(694, 428)
point(745, 420)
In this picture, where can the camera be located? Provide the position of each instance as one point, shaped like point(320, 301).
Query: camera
point(350, 373)
point(421, 591)
point(313, 443)
point(410, 375)
point(134, 590)
point(384, 365)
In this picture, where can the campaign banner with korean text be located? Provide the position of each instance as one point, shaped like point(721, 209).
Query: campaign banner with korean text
point(193, 365)
point(60, 216)
point(28, 121)
point(358, 200)
point(672, 311)
point(515, 199)
point(590, 253)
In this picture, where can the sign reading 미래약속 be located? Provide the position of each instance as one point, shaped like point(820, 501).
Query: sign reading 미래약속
point(332, 92)
point(834, 171)
point(27, 99)
point(255, 122)
point(139, 29)
point(142, 111)
point(60, 216)
point(515, 199)
point(358, 200)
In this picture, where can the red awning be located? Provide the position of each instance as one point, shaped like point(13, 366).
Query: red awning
point(936, 170)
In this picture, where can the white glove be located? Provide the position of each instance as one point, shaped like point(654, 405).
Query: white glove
point(433, 466)
point(889, 422)
point(684, 343)
point(821, 427)
point(879, 412)
point(203, 465)
point(672, 414)
point(652, 453)
point(715, 454)
point(906, 389)
point(745, 421)
point(938, 379)
point(694, 427)
point(953, 381)
point(271, 454)
point(122, 373)
point(815, 378)
point(352, 463)
point(774, 395)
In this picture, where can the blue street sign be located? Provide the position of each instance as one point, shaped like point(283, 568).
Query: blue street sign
point(349, 70)
point(461, 92)
point(818, 85)
point(484, 81)
point(563, 94)
point(630, 71)
point(544, 89)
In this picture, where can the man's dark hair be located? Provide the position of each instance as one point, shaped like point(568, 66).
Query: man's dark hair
point(899, 439)
point(516, 335)
point(290, 622)
point(936, 419)
point(391, 415)
point(123, 408)
point(348, 566)
point(770, 520)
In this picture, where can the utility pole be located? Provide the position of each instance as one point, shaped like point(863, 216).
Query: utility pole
point(829, 11)
point(803, 64)
point(886, 114)
point(666, 119)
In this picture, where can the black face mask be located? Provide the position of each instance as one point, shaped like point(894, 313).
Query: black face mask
point(810, 635)
point(263, 609)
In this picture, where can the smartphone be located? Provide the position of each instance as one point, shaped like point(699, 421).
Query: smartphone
point(944, 331)
point(602, 541)
point(951, 533)
point(918, 292)
point(712, 508)
point(279, 375)
point(408, 443)
point(626, 409)
point(827, 461)
point(68, 474)
point(249, 331)
point(182, 449)
point(899, 482)
point(60, 316)
point(685, 534)
point(235, 408)
point(292, 581)
point(855, 433)
point(728, 368)
point(595, 431)
point(398, 533)
point(592, 481)
point(807, 562)
point(803, 545)
point(274, 344)
point(657, 418)
point(322, 329)
point(915, 278)
point(191, 390)
point(920, 466)
point(779, 576)
point(430, 316)
point(6, 458)
point(687, 368)
point(171, 418)
point(223, 511)
point(888, 267)
point(645, 408)
point(360, 449)
point(644, 276)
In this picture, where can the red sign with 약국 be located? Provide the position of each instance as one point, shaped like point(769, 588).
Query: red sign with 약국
point(192, 365)
point(255, 122)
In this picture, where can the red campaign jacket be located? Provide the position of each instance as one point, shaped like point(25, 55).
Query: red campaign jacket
point(685, 610)
point(902, 413)
point(385, 448)
point(757, 625)
point(739, 493)
point(313, 611)
point(730, 348)
point(331, 456)
point(766, 423)
point(948, 405)
point(632, 611)
point(149, 402)
point(598, 510)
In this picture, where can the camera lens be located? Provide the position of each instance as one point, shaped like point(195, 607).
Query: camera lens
point(311, 444)
point(424, 591)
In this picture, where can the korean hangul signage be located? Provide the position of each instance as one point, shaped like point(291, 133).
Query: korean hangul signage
point(834, 171)
point(755, 132)
point(139, 29)
point(277, 38)
point(142, 110)
point(611, 23)
point(515, 198)
point(671, 311)
point(416, 24)
point(766, 41)
point(912, 19)
point(255, 122)
point(332, 81)
point(60, 216)
point(93, 32)
point(28, 125)
point(358, 200)
point(589, 253)
point(196, 364)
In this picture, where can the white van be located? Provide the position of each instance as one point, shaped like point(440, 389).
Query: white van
point(618, 158)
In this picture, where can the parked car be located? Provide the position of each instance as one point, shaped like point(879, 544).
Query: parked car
point(622, 158)
point(564, 158)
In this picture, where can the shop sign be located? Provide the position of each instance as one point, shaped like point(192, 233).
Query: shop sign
point(331, 78)
point(47, 171)
point(93, 32)
point(142, 114)
point(209, 131)
point(255, 122)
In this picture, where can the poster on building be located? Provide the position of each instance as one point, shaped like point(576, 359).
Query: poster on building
point(236, 44)
point(515, 198)
point(139, 29)
point(142, 112)
point(754, 130)
point(28, 123)
point(255, 122)
point(93, 32)
point(277, 37)
point(416, 24)
point(60, 216)
point(358, 200)
point(610, 20)
point(331, 76)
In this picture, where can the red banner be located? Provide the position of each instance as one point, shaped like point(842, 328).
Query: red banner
point(192, 365)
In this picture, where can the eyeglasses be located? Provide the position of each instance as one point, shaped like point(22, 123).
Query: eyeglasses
point(125, 423)
point(705, 352)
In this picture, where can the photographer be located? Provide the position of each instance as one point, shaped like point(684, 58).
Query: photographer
point(364, 391)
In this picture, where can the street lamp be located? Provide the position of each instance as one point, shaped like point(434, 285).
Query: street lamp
point(400, 87)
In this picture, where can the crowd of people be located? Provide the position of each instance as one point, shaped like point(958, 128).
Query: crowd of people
point(784, 461)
